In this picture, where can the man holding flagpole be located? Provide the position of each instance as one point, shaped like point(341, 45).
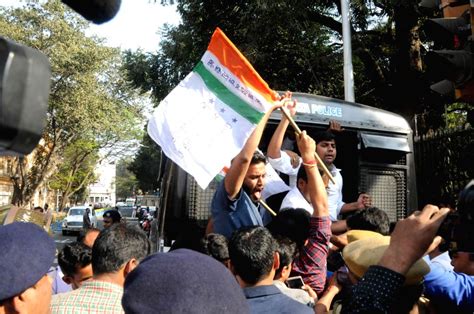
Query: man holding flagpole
point(236, 201)
point(218, 112)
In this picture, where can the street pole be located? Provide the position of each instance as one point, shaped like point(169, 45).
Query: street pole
point(346, 40)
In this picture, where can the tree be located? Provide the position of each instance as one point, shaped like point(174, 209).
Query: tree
point(292, 55)
point(125, 181)
point(89, 100)
point(76, 170)
point(296, 45)
point(146, 165)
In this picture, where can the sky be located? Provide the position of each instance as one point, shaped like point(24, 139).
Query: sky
point(136, 25)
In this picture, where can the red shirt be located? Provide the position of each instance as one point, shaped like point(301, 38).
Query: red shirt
point(312, 260)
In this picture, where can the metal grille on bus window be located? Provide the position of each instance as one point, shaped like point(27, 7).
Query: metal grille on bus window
point(402, 161)
point(387, 187)
point(199, 200)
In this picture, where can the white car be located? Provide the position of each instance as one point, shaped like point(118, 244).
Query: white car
point(74, 219)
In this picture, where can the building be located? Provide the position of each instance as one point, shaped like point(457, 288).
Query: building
point(103, 191)
point(43, 194)
point(6, 184)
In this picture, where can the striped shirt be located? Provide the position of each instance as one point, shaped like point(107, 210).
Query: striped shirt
point(311, 262)
point(92, 297)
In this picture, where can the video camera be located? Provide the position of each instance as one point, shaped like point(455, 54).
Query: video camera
point(458, 228)
point(25, 77)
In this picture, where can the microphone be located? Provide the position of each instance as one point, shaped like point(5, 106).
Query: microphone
point(97, 11)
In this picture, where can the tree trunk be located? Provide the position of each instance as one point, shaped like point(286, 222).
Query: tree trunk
point(406, 96)
point(62, 203)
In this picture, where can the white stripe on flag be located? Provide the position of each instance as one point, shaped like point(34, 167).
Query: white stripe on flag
point(198, 131)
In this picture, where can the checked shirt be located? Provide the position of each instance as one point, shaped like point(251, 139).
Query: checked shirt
point(92, 297)
point(311, 262)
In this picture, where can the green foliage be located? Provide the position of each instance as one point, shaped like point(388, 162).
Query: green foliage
point(146, 165)
point(455, 115)
point(292, 54)
point(125, 181)
point(90, 102)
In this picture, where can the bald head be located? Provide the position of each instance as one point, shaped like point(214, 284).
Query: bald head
point(90, 236)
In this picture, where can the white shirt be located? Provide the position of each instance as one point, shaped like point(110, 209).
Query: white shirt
point(273, 183)
point(283, 164)
point(334, 191)
point(294, 199)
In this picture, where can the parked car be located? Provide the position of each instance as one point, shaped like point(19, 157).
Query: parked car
point(74, 219)
point(128, 213)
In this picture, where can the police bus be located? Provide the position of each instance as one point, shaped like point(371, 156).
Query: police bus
point(374, 153)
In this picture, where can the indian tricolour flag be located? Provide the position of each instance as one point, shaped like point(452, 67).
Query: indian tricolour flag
point(205, 121)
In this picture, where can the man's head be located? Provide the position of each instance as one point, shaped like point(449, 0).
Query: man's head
point(217, 246)
point(27, 253)
point(292, 224)
point(463, 262)
point(462, 246)
point(254, 181)
point(111, 217)
point(326, 146)
point(466, 203)
point(287, 251)
point(90, 236)
point(253, 255)
point(118, 250)
point(302, 183)
point(372, 219)
point(75, 262)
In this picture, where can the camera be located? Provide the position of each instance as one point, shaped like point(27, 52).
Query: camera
point(25, 77)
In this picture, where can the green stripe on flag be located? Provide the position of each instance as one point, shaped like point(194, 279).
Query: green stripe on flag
point(226, 96)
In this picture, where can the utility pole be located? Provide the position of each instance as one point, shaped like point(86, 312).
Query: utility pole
point(347, 47)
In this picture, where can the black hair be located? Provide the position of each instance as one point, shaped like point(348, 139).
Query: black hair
point(257, 158)
point(251, 252)
point(287, 250)
point(217, 246)
point(372, 219)
point(466, 203)
point(73, 257)
point(324, 136)
point(292, 224)
point(302, 175)
point(189, 237)
point(116, 246)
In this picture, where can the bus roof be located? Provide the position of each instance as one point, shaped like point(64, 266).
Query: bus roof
point(320, 110)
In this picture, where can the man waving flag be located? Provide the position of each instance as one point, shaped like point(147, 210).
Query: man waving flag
point(206, 120)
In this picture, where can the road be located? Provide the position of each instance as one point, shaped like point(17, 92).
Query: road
point(61, 240)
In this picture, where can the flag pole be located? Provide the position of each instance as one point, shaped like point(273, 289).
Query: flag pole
point(267, 207)
point(298, 132)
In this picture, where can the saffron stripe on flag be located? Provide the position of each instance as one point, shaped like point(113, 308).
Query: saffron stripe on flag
point(230, 57)
point(226, 96)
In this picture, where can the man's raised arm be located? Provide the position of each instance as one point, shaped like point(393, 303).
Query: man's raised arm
point(317, 189)
point(235, 176)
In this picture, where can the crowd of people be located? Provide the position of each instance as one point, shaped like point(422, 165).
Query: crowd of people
point(304, 259)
